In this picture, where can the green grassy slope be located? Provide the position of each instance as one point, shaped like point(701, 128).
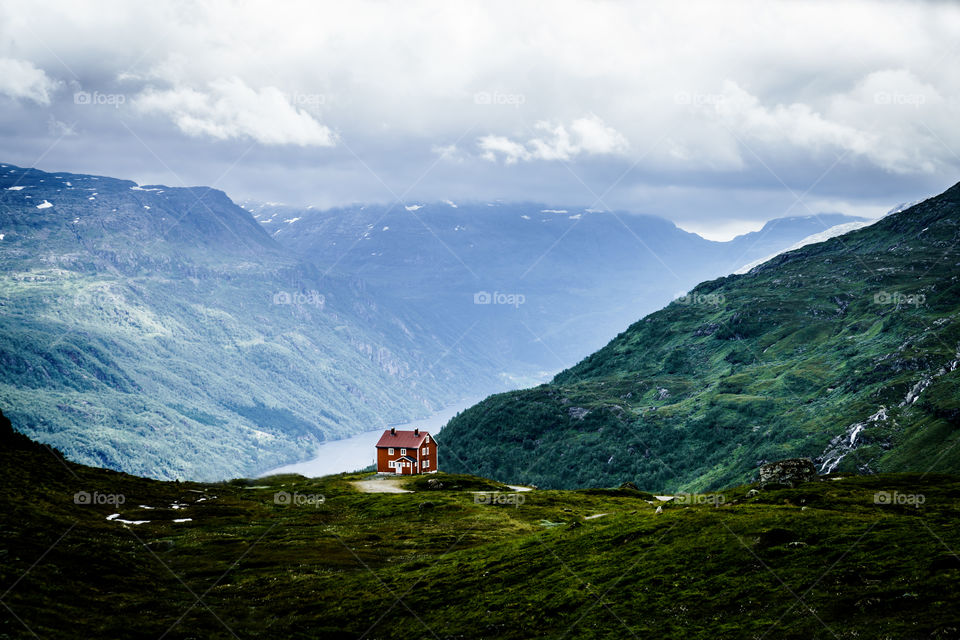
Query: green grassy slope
point(844, 351)
point(822, 560)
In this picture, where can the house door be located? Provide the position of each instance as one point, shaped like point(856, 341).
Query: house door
point(398, 467)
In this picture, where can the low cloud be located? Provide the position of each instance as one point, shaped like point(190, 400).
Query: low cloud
point(855, 133)
point(553, 141)
point(20, 79)
point(229, 109)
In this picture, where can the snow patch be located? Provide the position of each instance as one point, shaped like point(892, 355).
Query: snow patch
point(44, 205)
point(17, 188)
point(554, 211)
point(413, 207)
point(450, 202)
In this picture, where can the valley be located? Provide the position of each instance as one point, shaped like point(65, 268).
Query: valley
point(169, 333)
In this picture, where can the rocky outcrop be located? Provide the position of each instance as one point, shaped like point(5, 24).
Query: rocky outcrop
point(790, 472)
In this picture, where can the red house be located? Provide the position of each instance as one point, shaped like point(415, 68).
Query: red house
point(406, 452)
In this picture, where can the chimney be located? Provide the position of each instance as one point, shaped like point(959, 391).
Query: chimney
point(393, 431)
point(416, 431)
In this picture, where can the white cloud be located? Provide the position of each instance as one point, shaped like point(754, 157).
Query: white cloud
point(229, 109)
point(596, 137)
point(875, 120)
point(60, 129)
point(398, 82)
point(511, 151)
point(587, 135)
point(21, 79)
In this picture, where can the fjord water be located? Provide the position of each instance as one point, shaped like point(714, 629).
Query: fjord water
point(357, 452)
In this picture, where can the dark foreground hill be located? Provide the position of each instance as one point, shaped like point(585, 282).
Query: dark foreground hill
point(89, 553)
point(845, 351)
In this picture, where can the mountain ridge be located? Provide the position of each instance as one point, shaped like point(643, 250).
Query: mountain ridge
point(161, 331)
point(776, 362)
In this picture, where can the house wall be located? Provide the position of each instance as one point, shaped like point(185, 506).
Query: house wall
point(431, 455)
point(383, 457)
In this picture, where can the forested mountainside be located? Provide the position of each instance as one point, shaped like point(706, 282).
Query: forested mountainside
point(844, 351)
point(161, 331)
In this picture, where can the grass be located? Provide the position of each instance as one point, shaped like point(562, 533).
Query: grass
point(821, 560)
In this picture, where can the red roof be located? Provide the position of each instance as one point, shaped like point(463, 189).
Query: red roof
point(404, 439)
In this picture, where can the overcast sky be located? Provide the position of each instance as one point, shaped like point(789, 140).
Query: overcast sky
point(716, 115)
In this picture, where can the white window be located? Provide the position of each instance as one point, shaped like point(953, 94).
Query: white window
point(426, 464)
point(403, 452)
point(427, 439)
point(390, 464)
point(390, 451)
point(426, 451)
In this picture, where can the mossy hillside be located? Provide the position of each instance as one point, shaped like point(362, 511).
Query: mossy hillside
point(772, 364)
point(821, 560)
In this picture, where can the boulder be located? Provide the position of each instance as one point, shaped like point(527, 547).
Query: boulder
point(790, 472)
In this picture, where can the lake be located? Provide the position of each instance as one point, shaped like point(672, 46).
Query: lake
point(359, 451)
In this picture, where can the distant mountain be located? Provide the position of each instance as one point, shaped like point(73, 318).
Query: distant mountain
point(846, 351)
point(165, 332)
point(161, 331)
point(559, 281)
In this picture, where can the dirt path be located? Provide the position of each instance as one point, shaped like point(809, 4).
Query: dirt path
point(380, 485)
